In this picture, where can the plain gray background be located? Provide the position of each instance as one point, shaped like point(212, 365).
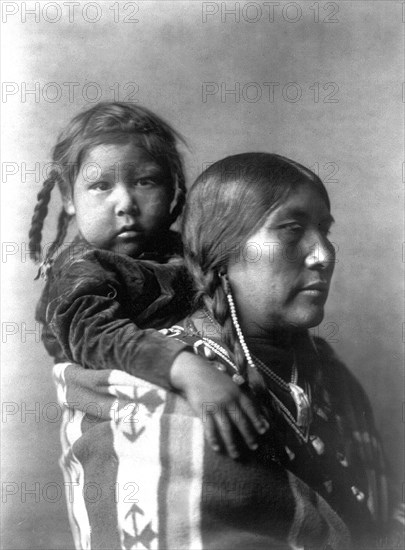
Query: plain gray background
point(342, 116)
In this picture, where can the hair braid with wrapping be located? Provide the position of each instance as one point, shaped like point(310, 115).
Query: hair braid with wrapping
point(210, 292)
point(62, 228)
point(222, 314)
point(38, 218)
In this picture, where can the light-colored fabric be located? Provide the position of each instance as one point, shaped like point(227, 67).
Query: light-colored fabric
point(142, 477)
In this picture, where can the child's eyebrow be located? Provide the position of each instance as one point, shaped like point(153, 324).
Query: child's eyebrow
point(142, 169)
point(149, 170)
point(133, 169)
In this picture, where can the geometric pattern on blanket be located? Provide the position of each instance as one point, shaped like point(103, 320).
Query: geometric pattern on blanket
point(140, 476)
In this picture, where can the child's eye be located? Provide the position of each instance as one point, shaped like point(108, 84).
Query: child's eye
point(100, 186)
point(145, 182)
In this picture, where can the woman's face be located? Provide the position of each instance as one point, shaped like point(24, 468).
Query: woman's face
point(281, 278)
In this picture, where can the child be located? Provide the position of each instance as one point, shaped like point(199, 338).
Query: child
point(120, 174)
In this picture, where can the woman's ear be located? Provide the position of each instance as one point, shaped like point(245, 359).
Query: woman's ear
point(223, 277)
point(69, 206)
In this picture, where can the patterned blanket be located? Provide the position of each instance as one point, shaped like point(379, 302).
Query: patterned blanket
point(138, 474)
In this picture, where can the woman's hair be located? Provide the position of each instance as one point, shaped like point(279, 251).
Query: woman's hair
point(226, 205)
point(105, 123)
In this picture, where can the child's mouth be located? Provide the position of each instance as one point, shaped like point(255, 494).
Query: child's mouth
point(129, 232)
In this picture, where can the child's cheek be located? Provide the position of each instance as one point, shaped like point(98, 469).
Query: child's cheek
point(157, 206)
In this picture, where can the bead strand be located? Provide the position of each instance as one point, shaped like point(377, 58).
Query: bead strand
point(221, 352)
point(239, 330)
point(279, 381)
point(289, 418)
point(217, 349)
point(301, 432)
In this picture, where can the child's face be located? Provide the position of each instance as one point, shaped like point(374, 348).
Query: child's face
point(121, 199)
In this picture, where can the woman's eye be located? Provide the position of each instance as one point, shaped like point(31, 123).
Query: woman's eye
point(293, 228)
point(325, 230)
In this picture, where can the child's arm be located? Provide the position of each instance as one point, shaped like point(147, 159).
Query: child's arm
point(229, 415)
point(96, 303)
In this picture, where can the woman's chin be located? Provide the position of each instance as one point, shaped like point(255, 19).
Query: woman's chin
point(308, 319)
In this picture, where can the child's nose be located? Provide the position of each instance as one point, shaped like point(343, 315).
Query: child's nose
point(124, 200)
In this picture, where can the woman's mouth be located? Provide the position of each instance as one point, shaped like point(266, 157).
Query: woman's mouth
point(313, 292)
point(316, 289)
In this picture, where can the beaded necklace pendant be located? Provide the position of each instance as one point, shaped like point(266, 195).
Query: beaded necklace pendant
point(303, 406)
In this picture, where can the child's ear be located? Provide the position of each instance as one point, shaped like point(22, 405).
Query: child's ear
point(69, 206)
point(175, 195)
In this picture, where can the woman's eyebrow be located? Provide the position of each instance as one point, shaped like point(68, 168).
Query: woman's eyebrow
point(302, 214)
point(329, 219)
point(293, 213)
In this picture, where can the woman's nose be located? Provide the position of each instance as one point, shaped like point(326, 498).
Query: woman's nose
point(321, 253)
point(124, 200)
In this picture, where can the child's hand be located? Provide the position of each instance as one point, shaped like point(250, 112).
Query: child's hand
point(222, 406)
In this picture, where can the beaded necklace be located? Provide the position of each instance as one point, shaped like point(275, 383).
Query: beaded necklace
point(217, 349)
point(301, 398)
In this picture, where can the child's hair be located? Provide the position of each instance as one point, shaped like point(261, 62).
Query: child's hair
point(105, 123)
point(226, 205)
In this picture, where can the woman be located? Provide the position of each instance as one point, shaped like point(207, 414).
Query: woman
point(256, 244)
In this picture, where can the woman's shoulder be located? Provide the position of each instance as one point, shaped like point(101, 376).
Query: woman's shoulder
point(331, 362)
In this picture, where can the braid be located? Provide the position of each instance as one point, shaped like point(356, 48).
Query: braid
point(40, 213)
point(204, 284)
point(63, 224)
point(221, 313)
point(209, 291)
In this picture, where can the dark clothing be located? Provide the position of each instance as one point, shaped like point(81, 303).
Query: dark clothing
point(342, 459)
point(97, 304)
